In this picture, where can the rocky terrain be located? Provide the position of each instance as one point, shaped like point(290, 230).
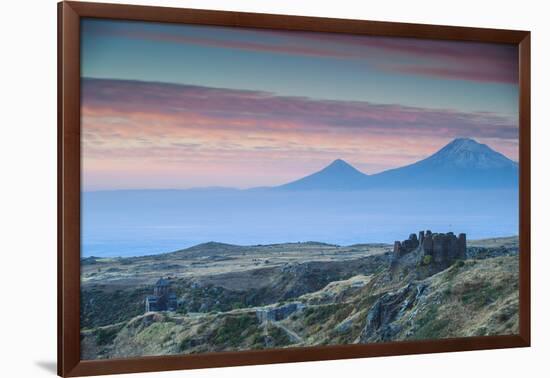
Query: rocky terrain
point(299, 294)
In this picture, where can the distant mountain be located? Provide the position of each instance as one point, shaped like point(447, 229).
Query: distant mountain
point(339, 175)
point(463, 163)
point(469, 154)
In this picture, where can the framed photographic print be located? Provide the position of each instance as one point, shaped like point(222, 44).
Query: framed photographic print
point(239, 188)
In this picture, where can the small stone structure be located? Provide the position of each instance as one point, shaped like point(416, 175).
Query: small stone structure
point(278, 313)
point(163, 299)
point(444, 248)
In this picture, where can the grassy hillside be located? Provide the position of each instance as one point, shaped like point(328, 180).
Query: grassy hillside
point(356, 300)
point(219, 277)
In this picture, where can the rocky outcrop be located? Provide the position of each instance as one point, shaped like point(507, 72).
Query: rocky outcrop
point(381, 319)
point(414, 259)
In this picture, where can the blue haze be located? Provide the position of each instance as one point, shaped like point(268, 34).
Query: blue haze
point(464, 187)
point(131, 223)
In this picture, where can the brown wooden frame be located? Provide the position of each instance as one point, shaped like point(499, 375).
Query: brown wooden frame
point(69, 14)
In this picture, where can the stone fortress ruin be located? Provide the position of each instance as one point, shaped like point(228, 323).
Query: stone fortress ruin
point(442, 248)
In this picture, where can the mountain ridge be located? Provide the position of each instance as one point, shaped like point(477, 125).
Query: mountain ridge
point(462, 163)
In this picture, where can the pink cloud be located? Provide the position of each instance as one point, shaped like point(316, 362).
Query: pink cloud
point(240, 45)
point(146, 128)
point(491, 75)
point(207, 109)
point(471, 61)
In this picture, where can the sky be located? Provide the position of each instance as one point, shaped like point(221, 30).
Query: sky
point(184, 106)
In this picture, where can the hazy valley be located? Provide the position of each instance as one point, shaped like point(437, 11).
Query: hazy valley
point(464, 186)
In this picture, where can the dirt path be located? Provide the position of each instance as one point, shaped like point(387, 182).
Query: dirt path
point(291, 334)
